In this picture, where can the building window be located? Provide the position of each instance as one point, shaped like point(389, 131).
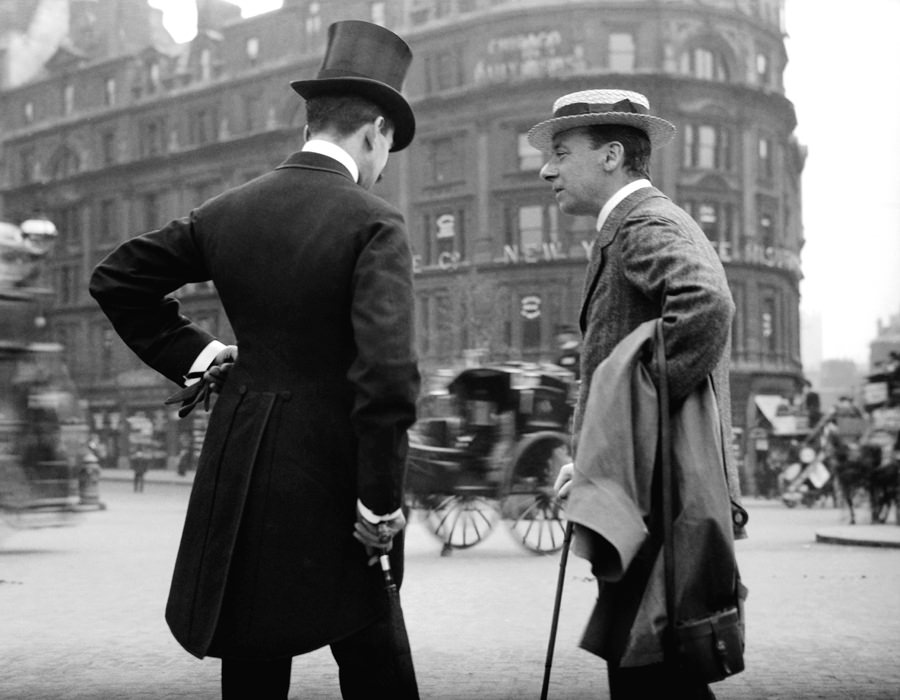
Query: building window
point(152, 137)
point(109, 92)
point(704, 63)
point(765, 159)
point(621, 52)
point(108, 147)
point(252, 49)
point(205, 65)
point(151, 210)
point(766, 230)
point(202, 126)
point(107, 221)
point(717, 219)
point(103, 337)
point(768, 325)
point(153, 77)
point(763, 69)
point(444, 70)
point(707, 146)
point(65, 162)
point(68, 99)
point(530, 158)
point(28, 112)
point(442, 8)
point(26, 165)
point(445, 162)
point(69, 284)
point(313, 21)
point(68, 223)
point(379, 16)
point(252, 112)
point(531, 227)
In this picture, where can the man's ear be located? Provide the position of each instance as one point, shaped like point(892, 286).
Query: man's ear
point(372, 129)
point(613, 154)
point(370, 135)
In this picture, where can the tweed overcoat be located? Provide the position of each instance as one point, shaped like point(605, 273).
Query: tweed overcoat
point(651, 260)
point(315, 276)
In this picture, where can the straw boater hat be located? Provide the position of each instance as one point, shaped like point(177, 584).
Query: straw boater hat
point(601, 107)
point(368, 60)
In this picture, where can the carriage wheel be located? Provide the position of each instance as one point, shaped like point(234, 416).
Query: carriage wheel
point(461, 521)
point(532, 511)
point(541, 527)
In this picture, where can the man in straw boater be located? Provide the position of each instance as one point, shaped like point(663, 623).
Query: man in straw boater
point(300, 478)
point(649, 261)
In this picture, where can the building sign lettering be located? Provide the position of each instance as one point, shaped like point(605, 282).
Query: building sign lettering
point(750, 254)
point(531, 55)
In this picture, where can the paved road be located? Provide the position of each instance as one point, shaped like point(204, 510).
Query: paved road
point(81, 614)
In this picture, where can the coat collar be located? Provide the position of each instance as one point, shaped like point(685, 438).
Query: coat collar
point(308, 160)
point(606, 236)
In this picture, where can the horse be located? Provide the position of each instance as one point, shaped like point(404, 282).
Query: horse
point(861, 467)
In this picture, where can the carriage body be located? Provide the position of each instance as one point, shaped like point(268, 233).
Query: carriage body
point(491, 449)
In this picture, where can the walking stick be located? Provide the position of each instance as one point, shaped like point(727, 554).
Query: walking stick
point(559, 587)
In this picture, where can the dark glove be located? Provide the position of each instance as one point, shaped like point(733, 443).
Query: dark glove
point(211, 381)
point(191, 395)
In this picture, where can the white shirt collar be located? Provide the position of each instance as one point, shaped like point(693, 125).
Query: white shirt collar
point(332, 150)
point(621, 194)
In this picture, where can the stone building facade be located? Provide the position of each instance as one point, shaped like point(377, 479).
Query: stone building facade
point(110, 139)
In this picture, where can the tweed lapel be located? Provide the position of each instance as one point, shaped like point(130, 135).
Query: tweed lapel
point(606, 236)
point(308, 160)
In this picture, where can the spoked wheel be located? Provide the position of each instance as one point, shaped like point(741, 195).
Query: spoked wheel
point(530, 507)
point(461, 521)
point(541, 527)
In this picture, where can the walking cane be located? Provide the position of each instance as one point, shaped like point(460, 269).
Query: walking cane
point(559, 587)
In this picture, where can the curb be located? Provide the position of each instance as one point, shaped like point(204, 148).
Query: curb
point(862, 539)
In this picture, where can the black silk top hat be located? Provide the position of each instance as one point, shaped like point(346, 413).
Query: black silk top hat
point(368, 60)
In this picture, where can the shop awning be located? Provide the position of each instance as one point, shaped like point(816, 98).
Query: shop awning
point(786, 424)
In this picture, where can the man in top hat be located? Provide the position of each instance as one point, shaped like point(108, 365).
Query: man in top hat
point(301, 474)
point(649, 260)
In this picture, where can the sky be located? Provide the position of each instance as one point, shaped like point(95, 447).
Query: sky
point(843, 76)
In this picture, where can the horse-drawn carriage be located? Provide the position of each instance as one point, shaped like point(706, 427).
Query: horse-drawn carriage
point(494, 454)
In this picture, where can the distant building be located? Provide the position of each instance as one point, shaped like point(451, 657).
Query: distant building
point(887, 341)
point(113, 132)
point(839, 378)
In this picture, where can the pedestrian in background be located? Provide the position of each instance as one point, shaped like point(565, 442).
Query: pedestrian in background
point(299, 482)
point(139, 465)
point(650, 260)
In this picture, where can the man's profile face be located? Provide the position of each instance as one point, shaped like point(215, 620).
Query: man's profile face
point(575, 173)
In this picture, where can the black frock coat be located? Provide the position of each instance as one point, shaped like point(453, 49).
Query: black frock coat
point(315, 276)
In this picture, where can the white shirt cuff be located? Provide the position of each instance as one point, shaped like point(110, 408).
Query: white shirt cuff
point(204, 359)
point(375, 519)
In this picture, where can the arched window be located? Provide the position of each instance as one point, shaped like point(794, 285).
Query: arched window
point(705, 63)
point(65, 162)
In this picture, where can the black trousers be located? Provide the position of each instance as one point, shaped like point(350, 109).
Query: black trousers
point(366, 669)
point(654, 682)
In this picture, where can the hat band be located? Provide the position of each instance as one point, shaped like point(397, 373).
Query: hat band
point(576, 108)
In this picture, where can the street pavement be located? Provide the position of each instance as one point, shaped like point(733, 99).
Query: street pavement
point(81, 613)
